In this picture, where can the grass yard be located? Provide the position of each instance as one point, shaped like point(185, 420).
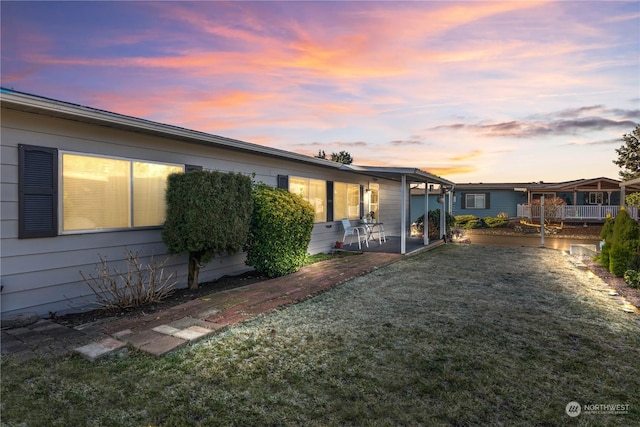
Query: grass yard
point(461, 335)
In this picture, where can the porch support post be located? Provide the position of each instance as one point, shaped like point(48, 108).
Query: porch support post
point(542, 220)
point(403, 216)
point(425, 234)
point(443, 226)
point(622, 194)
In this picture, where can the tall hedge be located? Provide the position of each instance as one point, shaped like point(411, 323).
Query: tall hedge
point(208, 214)
point(624, 243)
point(281, 226)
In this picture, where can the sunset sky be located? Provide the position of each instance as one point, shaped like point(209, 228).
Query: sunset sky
point(472, 91)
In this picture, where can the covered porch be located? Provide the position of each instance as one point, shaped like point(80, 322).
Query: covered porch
point(572, 213)
point(582, 200)
point(393, 245)
point(407, 177)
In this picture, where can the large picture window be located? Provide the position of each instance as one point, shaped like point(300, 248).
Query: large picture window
point(110, 193)
point(475, 201)
point(346, 200)
point(312, 190)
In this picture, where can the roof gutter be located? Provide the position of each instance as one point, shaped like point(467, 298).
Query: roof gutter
point(49, 107)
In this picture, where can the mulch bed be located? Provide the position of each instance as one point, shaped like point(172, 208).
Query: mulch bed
point(632, 295)
point(177, 297)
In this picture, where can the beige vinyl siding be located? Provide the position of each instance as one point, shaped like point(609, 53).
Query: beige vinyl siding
point(42, 274)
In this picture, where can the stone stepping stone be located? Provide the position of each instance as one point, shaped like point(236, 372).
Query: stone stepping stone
point(103, 348)
point(190, 333)
point(193, 333)
point(161, 346)
point(166, 329)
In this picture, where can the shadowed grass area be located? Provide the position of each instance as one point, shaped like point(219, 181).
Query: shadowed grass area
point(312, 259)
point(461, 335)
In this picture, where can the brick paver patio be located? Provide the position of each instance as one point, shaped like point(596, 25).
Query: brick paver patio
point(162, 332)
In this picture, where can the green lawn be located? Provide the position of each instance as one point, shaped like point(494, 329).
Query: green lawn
point(460, 335)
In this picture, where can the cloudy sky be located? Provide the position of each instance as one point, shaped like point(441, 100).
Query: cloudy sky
point(473, 91)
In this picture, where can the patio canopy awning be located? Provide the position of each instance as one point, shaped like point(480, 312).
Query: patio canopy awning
point(405, 176)
point(398, 174)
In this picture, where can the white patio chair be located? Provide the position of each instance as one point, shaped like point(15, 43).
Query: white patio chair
point(351, 231)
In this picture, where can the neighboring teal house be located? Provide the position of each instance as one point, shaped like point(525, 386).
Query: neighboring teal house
point(585, 200)
point(481, 200)
point(416, 208)
point(484, 200)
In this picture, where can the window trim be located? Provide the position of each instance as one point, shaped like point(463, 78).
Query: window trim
point(282, 182)
point(486, 201)
point(286, 180)
point(360, 199)
point(595, 195)
point(60, 210)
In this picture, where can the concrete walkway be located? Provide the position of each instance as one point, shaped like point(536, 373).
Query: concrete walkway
point(162, 332)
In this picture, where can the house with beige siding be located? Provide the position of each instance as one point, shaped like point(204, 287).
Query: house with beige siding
point(80, 183)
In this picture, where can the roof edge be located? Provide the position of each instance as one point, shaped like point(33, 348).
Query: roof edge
point(37, 104)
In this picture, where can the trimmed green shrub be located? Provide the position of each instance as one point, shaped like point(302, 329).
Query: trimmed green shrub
point(495, 222)
point(208, 214)
point(624, 243)
point(434, 223)
point(632, 278)
point(281, 226)
point(607, 229)
point(467, 221)
point(619, 259)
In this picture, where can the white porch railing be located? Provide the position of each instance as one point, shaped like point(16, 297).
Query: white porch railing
point(575, 213)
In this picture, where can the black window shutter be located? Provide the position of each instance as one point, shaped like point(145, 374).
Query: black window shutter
point(329, 201)
point(463, 201)
point(283, 182)
point(192, 168)
point(37, 191)
point(487, 201)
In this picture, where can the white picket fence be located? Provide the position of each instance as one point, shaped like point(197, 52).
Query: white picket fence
point(575, 213)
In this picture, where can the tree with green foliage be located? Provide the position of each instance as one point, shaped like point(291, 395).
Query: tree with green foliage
point(281, 226)
point(342, 157)
point(208, 214)
point(632, 199)
point(624, 243)
point(629, 155)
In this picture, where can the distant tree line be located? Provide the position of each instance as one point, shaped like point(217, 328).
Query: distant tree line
point(341, 157)
point(629, 155)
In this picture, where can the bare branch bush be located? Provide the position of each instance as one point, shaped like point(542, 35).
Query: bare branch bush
point(139, 285)
point(552, 209)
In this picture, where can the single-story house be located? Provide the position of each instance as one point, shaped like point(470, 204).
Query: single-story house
point(80, 183)
point(585, 200)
